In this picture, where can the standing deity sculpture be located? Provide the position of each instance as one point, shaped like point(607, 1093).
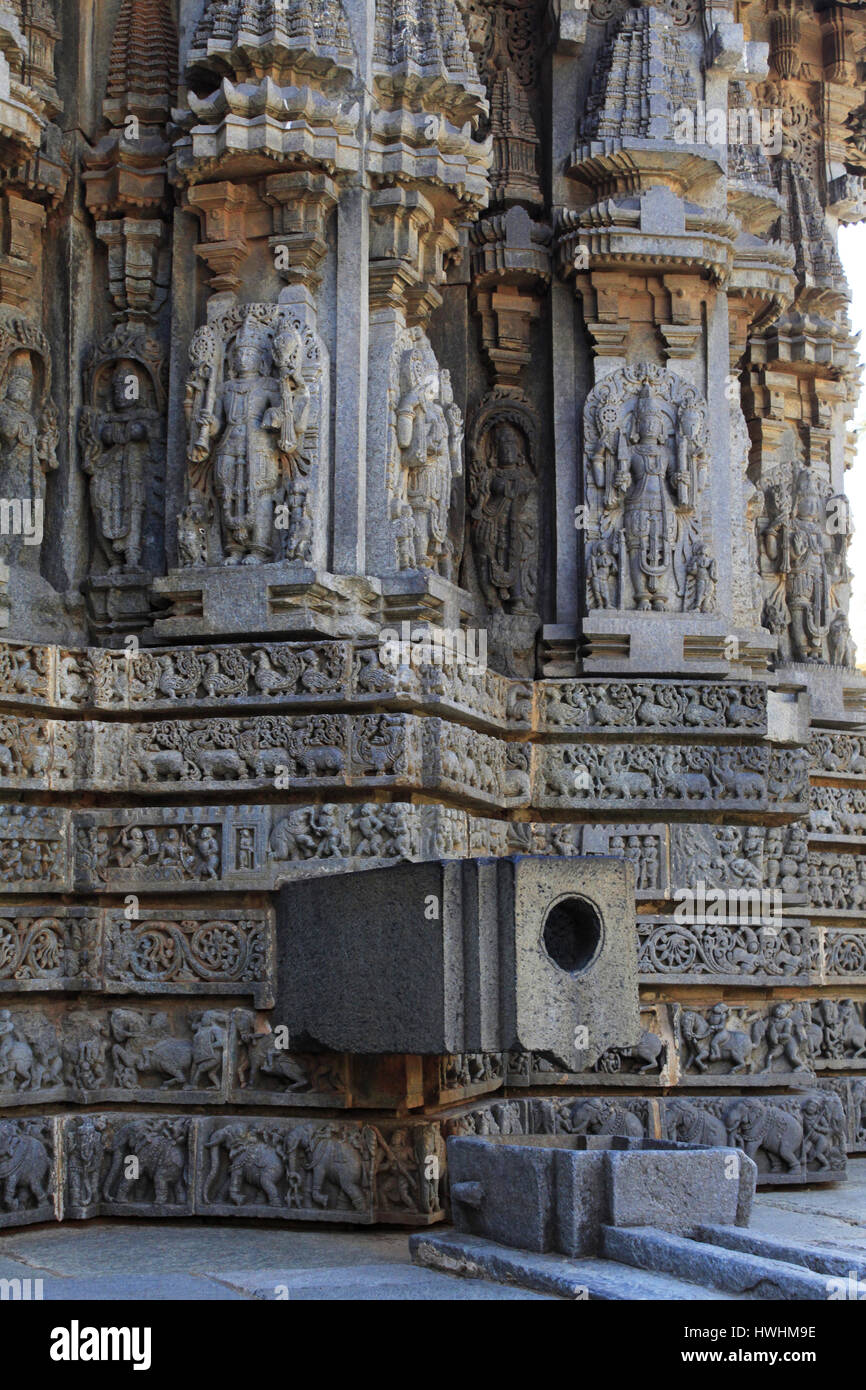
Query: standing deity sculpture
point(806, 565)
point(121, 439)
point(28, 436)
point(646, 474)
point(18, 432)
point(503, 509)
point(249, 405)
point(428, 429)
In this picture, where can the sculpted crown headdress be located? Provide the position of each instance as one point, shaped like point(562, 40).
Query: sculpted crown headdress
point(22, 367)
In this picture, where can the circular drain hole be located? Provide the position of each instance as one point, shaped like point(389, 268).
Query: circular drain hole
point(572, 934)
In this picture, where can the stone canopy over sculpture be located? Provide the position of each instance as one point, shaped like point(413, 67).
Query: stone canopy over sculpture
point(431, 455)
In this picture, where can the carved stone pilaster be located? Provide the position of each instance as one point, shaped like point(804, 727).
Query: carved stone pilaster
point(302, 203)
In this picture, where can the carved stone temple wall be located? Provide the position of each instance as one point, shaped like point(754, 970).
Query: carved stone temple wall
point(319, 318)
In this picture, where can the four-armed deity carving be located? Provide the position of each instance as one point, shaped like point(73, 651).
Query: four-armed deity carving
point(646, 473)
point(427, 457)
point(804, 541)
point(250, 404)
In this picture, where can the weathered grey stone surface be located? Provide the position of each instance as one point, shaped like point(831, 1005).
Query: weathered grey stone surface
point(728, 1270)
point(426, 442)
point(467, 956)
point(560, 1193)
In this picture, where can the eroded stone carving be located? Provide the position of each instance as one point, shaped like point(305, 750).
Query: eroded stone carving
point(427, 454)
point(28, 432)
point(253, 407)
point(123, 448)
point(804, 538)
point(646, 472)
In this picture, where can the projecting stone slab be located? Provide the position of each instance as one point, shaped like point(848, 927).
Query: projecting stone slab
point(533, 954)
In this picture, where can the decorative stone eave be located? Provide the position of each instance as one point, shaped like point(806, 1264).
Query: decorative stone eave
point(283, 56)
point(412, 88)
point(618, 166)
point(846, 198)
point(21, 123)
point(401, 150)
point(755, 205)
point(45, 174)
point(808, 341)
point(125, 175)
point(763, 275)
point(609, 236)
point(495, 254)
point(267, 123)
point(419, 59)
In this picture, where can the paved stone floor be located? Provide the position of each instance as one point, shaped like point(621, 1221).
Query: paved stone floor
point(231, 1261)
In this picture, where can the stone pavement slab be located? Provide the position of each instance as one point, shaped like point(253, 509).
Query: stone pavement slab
point(111, 1260)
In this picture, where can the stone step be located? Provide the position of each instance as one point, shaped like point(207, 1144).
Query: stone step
point(474, 1257)
point(734, 1271)
point(831, 1260)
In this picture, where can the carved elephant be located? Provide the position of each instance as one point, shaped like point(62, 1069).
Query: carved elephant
point(250, 1160)
point(24, 1167)
point(159, 1157)
point(333, 1162)
point(161, 765)
point(598, 1117)
point(754, 1125)
point(220, 764)
point(691, 1125)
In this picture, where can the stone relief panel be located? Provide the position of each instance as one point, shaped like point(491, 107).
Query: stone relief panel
point(841, 754)
point(25, 672)
point(29, 434)
point(632, 706)
point(256, 409)
point(740, 857)
point(34, 849)
point(425, 456)
point(123, 450)
point(52, 948)
point(646, 471)
point(99, 1178)
point(804, 538)
point(786, 1040)
point(136, 950)
point(265, 1073)
point(728, 953)
point(28, 1171)
point(588, 775)
point(791, 1138)
point(650, 1063)
point(851, 1095)
point(835, 883)
point(837, 811)
point(226, 951)
point(502, 559)
point(84, 1054)
point(313, 1169)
